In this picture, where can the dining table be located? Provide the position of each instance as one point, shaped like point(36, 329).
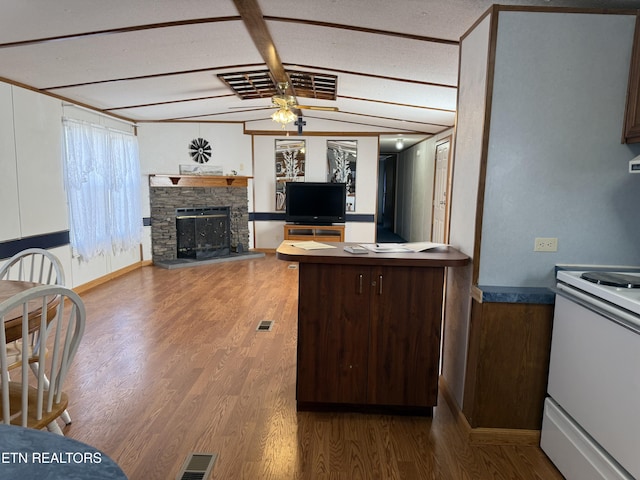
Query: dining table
point(13, 321)
point(26, 453)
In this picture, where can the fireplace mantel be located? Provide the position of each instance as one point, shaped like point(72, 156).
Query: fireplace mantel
point(197, 181)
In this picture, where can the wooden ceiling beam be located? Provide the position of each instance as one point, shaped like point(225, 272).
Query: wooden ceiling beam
point(253, 19)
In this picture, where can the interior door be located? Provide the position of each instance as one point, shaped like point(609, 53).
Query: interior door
point(439, 229)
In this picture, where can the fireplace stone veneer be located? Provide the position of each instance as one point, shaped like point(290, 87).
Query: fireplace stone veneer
point(165, 200)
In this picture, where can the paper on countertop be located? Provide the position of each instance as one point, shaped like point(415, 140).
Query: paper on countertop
point(422, 246)
point(401, 247)
point(310, 245)
point(386, 247)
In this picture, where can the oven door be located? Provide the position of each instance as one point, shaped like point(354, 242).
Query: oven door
point(594, 374)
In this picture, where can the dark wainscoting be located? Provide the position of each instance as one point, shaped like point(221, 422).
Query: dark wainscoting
point(47, 240)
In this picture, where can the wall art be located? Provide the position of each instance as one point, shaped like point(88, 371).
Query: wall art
point(290, 165)
point(342, 156)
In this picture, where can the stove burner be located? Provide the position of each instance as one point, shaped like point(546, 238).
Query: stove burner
point(610, 279)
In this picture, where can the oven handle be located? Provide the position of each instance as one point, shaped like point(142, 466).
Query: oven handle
point(615, 314)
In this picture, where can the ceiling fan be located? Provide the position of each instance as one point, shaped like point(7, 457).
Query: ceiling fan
point(287, 104)
point(283, 100)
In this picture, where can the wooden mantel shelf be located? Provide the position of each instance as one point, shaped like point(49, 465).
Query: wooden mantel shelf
point(197, 181)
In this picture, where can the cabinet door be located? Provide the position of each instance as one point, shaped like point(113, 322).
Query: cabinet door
point(405, 326)
point(631, 132)
point(333, 324)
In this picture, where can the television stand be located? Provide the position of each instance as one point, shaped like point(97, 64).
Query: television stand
point(318, 233)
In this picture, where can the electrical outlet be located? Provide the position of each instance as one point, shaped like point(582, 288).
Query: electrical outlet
point(545, 245)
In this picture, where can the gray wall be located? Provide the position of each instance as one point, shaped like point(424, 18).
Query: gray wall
point(555, 163)
point(556, 166)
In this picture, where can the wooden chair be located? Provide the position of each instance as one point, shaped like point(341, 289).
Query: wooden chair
point(33, 265)
point(38, 403)
point(39, 266)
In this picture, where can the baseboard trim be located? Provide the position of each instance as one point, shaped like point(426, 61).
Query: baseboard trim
point(85, 287)
point(263, 250)
point(487, 436)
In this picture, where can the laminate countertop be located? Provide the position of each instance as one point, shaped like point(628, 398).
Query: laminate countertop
point(438, 257)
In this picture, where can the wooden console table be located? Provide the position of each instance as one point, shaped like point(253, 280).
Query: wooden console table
point(369, 327)
point(325, 233)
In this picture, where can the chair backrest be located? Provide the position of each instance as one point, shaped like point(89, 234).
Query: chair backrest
point(33, 265)
point(65, 314)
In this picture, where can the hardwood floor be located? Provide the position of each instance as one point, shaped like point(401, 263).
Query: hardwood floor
point(171, 363)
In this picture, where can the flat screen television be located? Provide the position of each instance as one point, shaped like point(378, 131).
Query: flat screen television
point(315, 203)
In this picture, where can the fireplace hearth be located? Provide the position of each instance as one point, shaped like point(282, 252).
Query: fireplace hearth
point(203, 233)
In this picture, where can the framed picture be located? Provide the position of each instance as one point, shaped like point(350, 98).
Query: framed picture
point(200, 169)
point(290, 166)
point(341, 157)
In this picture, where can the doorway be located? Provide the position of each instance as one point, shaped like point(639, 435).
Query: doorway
point(385, 228)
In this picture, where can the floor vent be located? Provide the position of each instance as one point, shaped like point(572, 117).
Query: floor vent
point(197, 466)
point(292, 266)
point(265, 326)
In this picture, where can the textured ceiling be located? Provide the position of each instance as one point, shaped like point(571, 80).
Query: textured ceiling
point(395, 63)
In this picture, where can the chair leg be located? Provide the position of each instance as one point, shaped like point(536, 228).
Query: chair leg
point(53, 427)
point(66, 418)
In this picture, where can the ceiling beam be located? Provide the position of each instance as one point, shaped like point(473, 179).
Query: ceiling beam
point(253, 19)
point(112, 31)
point(375, 31)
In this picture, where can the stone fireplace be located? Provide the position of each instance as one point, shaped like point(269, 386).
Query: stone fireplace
point(177, 196)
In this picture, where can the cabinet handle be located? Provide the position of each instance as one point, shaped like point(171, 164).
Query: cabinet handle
point(379, 284)
point(360, 284)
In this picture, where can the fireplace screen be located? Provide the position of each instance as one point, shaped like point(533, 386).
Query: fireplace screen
point(203, 232)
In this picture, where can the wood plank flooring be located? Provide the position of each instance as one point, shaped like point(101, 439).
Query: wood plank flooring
point(171, 363)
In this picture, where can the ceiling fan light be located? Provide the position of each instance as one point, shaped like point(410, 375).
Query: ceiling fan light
point(283, 116)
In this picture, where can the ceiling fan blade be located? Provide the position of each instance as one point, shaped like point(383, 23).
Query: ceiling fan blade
point(281, 102)
point(252, 107)
point(326, 109)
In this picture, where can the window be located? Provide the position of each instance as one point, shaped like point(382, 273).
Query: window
point(102, 180)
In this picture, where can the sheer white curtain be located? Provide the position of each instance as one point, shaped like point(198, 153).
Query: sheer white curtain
point(102, 179)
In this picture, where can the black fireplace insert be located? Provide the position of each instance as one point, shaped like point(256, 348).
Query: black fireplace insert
point(203, 233)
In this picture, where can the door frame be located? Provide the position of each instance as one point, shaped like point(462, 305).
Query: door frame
point(447, 213)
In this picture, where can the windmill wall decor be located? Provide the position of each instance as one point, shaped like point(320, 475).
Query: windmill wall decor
point(200, 150)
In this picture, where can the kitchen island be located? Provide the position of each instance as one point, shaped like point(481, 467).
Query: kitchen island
point(369, 327)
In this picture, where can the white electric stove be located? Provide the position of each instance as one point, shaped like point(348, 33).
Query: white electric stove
point(591, 422)
point(621, 289)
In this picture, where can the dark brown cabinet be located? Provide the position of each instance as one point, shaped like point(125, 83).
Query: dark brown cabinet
point(507, 365)
point(369, 335)
point(631, 133)
point(333, 333)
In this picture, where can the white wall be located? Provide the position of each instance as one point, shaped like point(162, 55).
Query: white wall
point(467, 153)
point(32, 194)
point(9, 198)
point(165, 146)
point(269, 234)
